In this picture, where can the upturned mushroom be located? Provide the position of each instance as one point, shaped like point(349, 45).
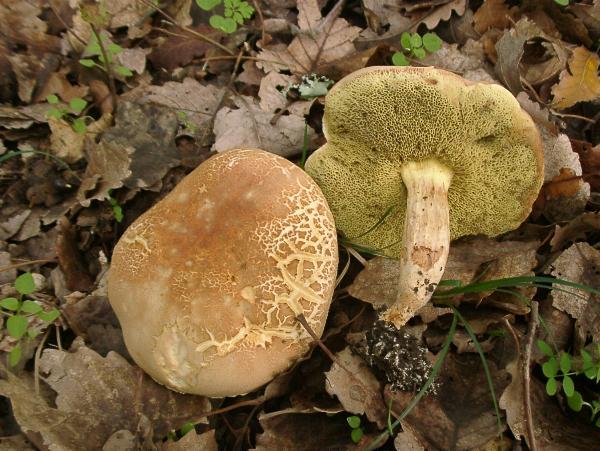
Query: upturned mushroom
point(208, 283)
point(445, 157)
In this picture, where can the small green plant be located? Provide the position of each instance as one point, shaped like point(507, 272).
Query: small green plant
point(235, 12)
point(96, 51)
point(188, 126)
point(416, 46)
point(68, 113)
point(559, 367)
point(357, 432)
point(19, 311)
point(562, 2)
point(116, 207)
point(179, 433)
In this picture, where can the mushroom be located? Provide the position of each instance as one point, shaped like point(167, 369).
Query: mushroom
point(208, 284)
point(416, 157)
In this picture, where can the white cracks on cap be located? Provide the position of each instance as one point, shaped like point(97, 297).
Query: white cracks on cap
point(303, 247)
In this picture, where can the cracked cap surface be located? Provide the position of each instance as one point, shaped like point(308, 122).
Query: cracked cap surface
point(378, 118)
point(207, 283)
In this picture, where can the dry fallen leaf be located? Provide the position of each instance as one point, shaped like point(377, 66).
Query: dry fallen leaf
point(193, 442)
point(320, 41)
point(581, 83)
point(469, 57)
point(553, 430)
point(580, 263)
point(194, 104)
point(249, 126)
point(462, 415)
point(377, 283)
point(132, 14)
point(512, 63)
point(290, 430)
point(407, 439)
point(67, 144)
point(178, 51)
point(384, 19)
point(493, 14)
point(16, 443)
point(359, 391)
point(103, 395)
point(444, 12)
point(565, 193)
point(108, 166)
point(575, 230)
point(148, 130)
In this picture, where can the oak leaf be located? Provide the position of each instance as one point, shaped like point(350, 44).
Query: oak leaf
point(319, 41)
point(582, 83)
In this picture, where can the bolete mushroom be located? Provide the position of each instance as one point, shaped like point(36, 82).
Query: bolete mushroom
point(418, 156)
point(208, 283)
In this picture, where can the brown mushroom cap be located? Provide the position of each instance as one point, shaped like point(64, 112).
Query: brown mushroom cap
point(208, 282)
point(378, 118)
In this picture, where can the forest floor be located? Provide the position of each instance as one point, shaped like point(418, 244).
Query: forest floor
point(105, 106)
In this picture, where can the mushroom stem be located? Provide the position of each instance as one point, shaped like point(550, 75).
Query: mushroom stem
point(426, 239)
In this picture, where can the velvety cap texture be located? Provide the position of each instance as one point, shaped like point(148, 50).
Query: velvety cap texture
point(378, 118)
point(207, 283)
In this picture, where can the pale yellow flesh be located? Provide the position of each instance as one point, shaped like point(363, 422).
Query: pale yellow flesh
point(426, 239)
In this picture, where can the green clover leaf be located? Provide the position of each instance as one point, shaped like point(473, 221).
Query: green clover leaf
point(25, 284)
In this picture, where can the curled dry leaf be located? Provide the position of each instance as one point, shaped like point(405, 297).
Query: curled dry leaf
point(590, 162)
point(581, 83)
point(249, 126)
point(580, 263)
point(575, 230)
point(320, 41)
point(462, 415)
point(512, 64)
point(359, 391)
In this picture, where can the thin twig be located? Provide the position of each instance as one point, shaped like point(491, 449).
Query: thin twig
point(533, 322)
point(36, 364)
point(107, 65)
point(173, 22)
point(58, 339)
point(262, 20)
point(514, 335)
point(64, 24)
point(27, 263)
point(302, 320)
